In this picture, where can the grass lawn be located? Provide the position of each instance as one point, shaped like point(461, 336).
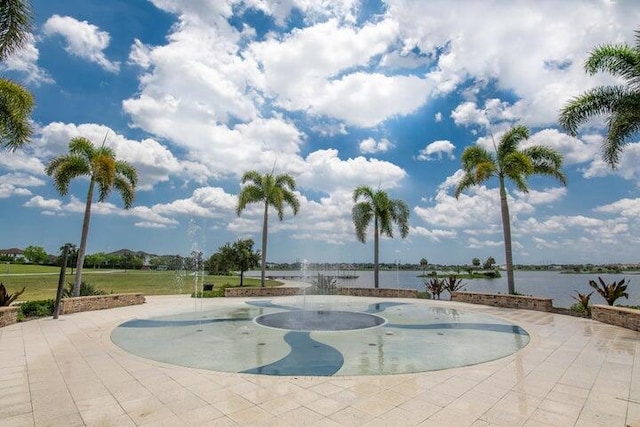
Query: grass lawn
point(41, 282)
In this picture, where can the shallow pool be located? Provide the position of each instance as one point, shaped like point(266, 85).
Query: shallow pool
point(386, 337)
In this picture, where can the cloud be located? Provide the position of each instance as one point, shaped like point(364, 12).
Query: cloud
point(83, 40)
point(25, 61)
point(153, 161)
point(628, 208)
point(437, 148)
point(370, 146)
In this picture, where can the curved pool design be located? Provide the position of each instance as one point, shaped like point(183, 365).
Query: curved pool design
point(344, 337)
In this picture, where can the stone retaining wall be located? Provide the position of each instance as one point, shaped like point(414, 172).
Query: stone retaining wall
point(8, 316)
point(261, 292)
point(99, 302)
point(619, 316)
point(378, 292)
point(505, 301)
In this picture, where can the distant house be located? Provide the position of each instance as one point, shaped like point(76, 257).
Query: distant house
point(12, 253)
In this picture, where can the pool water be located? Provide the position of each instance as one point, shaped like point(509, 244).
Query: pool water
point(344, 336)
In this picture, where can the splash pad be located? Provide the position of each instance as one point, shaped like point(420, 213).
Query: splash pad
point(321, 336)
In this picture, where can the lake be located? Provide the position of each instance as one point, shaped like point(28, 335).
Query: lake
point(546, 284)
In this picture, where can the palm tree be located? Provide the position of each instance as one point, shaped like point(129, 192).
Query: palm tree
point(424, 263)
point(271, 190)
point(16, 103)
point(620, 103)
point(384, 212)
point(102, 168)
point(511, 164)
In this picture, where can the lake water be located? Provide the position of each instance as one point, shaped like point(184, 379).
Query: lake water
point(546, 284)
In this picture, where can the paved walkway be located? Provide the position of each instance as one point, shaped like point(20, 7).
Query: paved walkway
point(67, 372)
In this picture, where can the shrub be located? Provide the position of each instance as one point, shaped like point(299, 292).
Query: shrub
point(6, 298)
point(452, 284)
point(86, 289)
point(215, 293)
point(435, 286)
point(493, 274)
point(38, 308)
point(582, 302)
point(612, 291)
point(423, 295)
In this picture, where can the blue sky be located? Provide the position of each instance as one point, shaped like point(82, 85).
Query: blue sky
point(336, 93)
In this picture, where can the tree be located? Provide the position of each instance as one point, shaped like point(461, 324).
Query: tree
point(511, 164)
point(489, 263)
point(16, 103)
point(103, 170)
point(271, 190)
point(244, 258)
point(620, 104)
point(384, 212)
point(476, 262)
point(424, 263)
point(36, 254)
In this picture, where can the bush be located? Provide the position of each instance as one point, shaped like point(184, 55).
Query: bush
point(215, 293)
point(494, 274)
point(577, 307)
point(435, 287)
point(423, 295)
point(6, 298)
point(38, 308)
point(612, 291)
point(86, 290)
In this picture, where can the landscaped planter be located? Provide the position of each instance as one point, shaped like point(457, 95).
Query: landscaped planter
point(619, 316)
point(99, 302)
point(261, 292)
point(8, 316)
point(505, 300)
point(378, 292)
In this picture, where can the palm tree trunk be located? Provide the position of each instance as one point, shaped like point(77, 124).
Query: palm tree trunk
point(506, 229)
point(376, 253)
point(264, 244)
point(83, 240)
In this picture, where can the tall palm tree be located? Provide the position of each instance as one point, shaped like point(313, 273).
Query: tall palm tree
point(511, 164)
point(620, 103)
point(16, 103)
point(271, 190)
point(103, 170)
point(385, 212)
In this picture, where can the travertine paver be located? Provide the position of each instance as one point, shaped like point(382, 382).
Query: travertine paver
point(67, 372)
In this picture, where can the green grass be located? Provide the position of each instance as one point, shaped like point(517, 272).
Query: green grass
point(41, 282)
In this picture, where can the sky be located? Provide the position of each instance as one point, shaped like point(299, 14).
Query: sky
point(338, 94)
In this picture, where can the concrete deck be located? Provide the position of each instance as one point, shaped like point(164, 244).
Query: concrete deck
point(67, 372)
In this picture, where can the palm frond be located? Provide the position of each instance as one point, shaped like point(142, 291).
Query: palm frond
point(16, 105)
point(510, 140)
point(363, 192)
point(620, 60)
point(473, 155)
point(466, 182)
point(622, 124)
point(126, 189)
point(249, 194)
point(546, 161)
point(400, 214)
point(362, 214)
point(594, 102)
point(65, 168)
point(15, 25)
